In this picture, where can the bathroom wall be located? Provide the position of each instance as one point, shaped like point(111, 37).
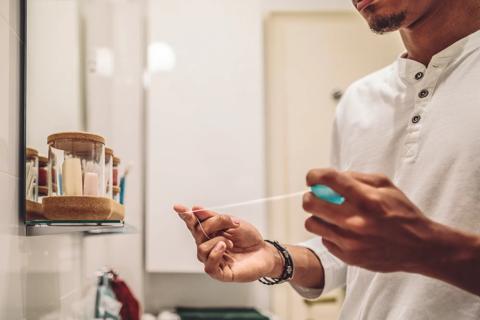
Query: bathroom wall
point(115, 103)
point(42, 273)
point(47, 277)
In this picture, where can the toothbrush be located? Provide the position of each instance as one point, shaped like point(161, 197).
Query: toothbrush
point(122, 184)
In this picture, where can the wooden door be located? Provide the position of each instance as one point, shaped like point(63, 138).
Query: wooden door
point(311, 58)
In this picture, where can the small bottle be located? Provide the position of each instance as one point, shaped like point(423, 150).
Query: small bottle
point(116, 194)
point(109, 172)
point(116, 164)
point(31, 175)
point(42, 176)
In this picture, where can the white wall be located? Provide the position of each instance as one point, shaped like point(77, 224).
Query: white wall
point(41, 273)
point(116, 110)
point(53, 70)
point(205, 141)
point(306, 5)
point(205, 121)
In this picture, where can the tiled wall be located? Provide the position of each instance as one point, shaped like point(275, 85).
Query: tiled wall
point(40, 278)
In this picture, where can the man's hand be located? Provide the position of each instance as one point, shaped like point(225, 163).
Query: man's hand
point(235, 251)
point(380, 229)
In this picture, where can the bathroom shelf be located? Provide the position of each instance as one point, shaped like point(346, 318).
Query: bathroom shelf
point(44, 227)
point(127, 229)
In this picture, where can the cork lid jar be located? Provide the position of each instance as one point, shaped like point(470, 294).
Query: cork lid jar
point(76, 164)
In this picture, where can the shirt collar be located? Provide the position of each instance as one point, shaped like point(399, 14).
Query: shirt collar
point(407, 68)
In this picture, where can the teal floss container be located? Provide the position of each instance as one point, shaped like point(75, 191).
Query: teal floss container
point(327, 194)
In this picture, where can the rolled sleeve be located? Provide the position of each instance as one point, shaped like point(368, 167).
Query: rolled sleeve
point(335, 270)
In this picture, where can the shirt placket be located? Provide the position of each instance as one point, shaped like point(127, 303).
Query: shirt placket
point(425, 82)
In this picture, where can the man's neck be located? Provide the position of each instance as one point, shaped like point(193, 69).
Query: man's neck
point(437, 30)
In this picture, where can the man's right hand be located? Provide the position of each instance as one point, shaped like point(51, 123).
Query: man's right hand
point(235, 252)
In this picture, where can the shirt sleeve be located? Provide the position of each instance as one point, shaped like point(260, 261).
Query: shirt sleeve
point(335, 270)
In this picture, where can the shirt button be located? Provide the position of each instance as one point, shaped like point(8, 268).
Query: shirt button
point(416, 119)
point(423, 94)
point(419, 75)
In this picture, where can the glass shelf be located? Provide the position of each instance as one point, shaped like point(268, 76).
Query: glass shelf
point(88, 227)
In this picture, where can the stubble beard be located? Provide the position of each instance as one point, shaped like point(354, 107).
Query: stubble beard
point(387, 23)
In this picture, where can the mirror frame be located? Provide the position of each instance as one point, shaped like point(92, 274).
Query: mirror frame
point(23, 110)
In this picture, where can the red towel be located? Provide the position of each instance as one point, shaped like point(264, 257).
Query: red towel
point(130, 305)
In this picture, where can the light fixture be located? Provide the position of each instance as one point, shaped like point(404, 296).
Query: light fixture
point(161, 57)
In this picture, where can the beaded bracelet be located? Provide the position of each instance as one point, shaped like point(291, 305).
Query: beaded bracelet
point(288, 267)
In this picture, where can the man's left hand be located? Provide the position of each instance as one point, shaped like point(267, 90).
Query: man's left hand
point(376, 228)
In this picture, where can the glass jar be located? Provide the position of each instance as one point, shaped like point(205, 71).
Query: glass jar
point(31, 175)
point(42, 176)
point(76, 164)
point(109, 172)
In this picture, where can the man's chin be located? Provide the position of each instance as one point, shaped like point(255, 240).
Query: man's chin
point(386, 23)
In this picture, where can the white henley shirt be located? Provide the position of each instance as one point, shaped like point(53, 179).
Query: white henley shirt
point(421, 127)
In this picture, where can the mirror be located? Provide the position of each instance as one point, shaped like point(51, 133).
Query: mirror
point(84, 68)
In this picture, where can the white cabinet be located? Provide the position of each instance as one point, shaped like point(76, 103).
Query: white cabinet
point(205, 120)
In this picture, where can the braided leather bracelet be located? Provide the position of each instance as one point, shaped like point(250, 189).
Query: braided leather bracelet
point(288, 267)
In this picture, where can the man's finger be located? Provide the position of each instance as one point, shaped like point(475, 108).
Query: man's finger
point(209, 223)
point(188, 218)
point(218, 223)
point(203, 214)
point(180, 208)
point(351, 189)
point(374, 180)
point(342, 238)
point(329, 212)
point(333, 248)
point(204, 249)
point(212, 265)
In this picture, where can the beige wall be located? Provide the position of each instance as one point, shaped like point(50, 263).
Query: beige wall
point(306, 5)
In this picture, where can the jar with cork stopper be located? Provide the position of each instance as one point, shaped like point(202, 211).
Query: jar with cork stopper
point(76, 177)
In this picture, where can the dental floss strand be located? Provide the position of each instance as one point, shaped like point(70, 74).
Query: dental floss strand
point(244, 203)
point(257, 201)
point(320, 191)
point(201, 227)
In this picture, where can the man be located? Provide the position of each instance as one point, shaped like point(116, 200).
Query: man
point(410, 254)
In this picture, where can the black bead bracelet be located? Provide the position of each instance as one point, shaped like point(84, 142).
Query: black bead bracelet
point(288, 267)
